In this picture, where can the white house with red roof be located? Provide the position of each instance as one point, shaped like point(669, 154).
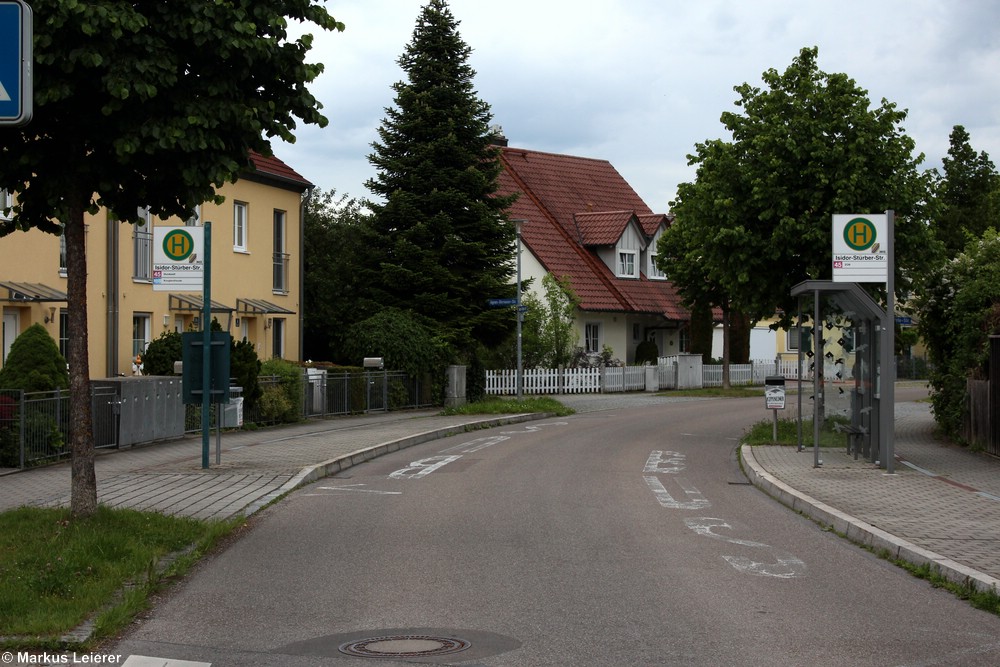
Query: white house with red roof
point(584, 221)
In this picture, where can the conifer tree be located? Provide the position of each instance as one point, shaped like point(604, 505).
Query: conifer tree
point(440, 241)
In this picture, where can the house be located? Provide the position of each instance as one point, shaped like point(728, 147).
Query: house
point(256, 271)
point(584, 221)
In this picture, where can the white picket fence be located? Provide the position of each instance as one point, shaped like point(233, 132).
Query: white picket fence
point(626, 378)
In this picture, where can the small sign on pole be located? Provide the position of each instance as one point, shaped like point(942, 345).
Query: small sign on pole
point(16, 56)
point(178, 259)
point(774, 399)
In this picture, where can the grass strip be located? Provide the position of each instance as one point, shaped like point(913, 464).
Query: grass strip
point(59, 571)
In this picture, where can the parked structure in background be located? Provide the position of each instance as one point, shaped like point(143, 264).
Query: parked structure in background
point(256, 275)
point(584, 221)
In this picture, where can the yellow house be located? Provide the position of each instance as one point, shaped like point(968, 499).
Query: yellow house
point(256, 270)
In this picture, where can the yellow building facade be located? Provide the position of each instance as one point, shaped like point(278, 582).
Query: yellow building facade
point(256, 275)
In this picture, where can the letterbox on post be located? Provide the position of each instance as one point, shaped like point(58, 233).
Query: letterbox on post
point(774, 399)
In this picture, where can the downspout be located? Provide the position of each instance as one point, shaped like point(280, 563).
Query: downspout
point(112, 319)
point(302, 271)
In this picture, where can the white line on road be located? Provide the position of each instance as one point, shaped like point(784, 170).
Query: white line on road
point(696, 502)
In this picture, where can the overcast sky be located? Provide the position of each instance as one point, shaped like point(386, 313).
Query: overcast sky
point(640, 82)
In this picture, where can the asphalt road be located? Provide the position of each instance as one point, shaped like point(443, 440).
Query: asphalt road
point(615, 537)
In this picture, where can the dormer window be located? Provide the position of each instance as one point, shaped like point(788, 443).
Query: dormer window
point(654, 271)
point(626, 264)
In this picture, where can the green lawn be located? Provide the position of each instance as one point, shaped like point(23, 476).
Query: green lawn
point(58, 571)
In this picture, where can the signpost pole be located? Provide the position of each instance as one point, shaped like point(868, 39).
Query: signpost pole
point(206, 337)
point(887, 362)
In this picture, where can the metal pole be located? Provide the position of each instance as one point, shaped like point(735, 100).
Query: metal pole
point(520, 370)
point(887, 396)
point(817, 378)
point(206, 342)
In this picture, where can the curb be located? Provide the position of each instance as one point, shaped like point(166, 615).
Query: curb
point(318, 471)
point(861, 532)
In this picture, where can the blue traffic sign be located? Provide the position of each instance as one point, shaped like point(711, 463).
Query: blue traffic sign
point(15, 62)
point(497, 303)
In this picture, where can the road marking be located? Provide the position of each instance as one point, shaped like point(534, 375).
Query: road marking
point(147, 661)
point(534, 428)
point(785, 568)
point(696, 502)
point(674, 459)
point(477, 444)
point(350, 487)
point(704, 526)
point(423, 467)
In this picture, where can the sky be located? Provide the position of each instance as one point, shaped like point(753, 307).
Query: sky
point(640, 82)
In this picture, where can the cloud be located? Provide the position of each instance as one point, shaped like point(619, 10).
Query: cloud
point(640, 82)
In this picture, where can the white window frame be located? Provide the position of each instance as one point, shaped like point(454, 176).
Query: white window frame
point(592, 337)
point(142, 325)
point(794, 336)
point(6, 201)
point(241, 217)
point(627, 264)
point(142, 247)
point(654, 271)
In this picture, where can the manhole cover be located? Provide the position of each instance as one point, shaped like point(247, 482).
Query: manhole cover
point(404, 646)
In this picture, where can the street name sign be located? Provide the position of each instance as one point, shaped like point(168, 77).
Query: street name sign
point(178, 259)
point(860, 248)
point(499, 303)
point(15, 63)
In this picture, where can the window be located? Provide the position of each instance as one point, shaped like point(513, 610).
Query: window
point(278, 338)
point(240, 226)
point(655, 272)
point(626, 264)
point(280, 283)
point(140, 333)
point(64, 334)
point(142, 247)
point(684, 340)
point(592, 337)
point(6, 201)
point(195, 219)
point(62, 253)
point(797, 336)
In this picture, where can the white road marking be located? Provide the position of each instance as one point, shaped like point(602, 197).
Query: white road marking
point(350, 487)
point(785, 568)
point(655, 463)
point(533, 428)
point(423, 467)
point(477, 444)
point(696, 502)
point(147, 661)
point(704, 526)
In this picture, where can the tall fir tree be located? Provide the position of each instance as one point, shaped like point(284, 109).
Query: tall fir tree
point(440, 239)
point(968, 194)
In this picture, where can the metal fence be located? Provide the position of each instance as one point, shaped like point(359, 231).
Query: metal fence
point(35, 427)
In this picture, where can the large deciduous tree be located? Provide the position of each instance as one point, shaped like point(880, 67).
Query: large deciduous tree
point(805, 146)
point(145, 103)
point(441, 242)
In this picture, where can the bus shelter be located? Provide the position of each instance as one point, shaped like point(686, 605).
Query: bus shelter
point(840, 346)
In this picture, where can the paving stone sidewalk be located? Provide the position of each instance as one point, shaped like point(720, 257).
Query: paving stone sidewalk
point(255, 466)
point(942, 505)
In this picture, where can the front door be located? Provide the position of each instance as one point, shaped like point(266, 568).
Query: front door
point(11, 330)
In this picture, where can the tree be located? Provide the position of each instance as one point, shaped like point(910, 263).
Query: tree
point(332, 260)
point(34, 363)
point(146, 104)
point(557, 336)
point(758, 219)
point(967, 195)
point(440, 239)
point(959, 309)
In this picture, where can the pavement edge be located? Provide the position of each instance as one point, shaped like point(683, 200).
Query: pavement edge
point(861, 532)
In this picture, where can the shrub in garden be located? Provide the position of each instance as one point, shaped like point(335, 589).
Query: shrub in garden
point(34, 363)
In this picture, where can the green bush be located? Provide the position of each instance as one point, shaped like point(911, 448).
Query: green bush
point(161, 353)
point(287, 408)
point(244, 369)
point(34, 363)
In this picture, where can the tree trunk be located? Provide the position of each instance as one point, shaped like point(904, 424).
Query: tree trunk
point(83, 492)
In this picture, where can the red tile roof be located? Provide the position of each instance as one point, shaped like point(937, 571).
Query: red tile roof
point(572, 202)
point(275, 169)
